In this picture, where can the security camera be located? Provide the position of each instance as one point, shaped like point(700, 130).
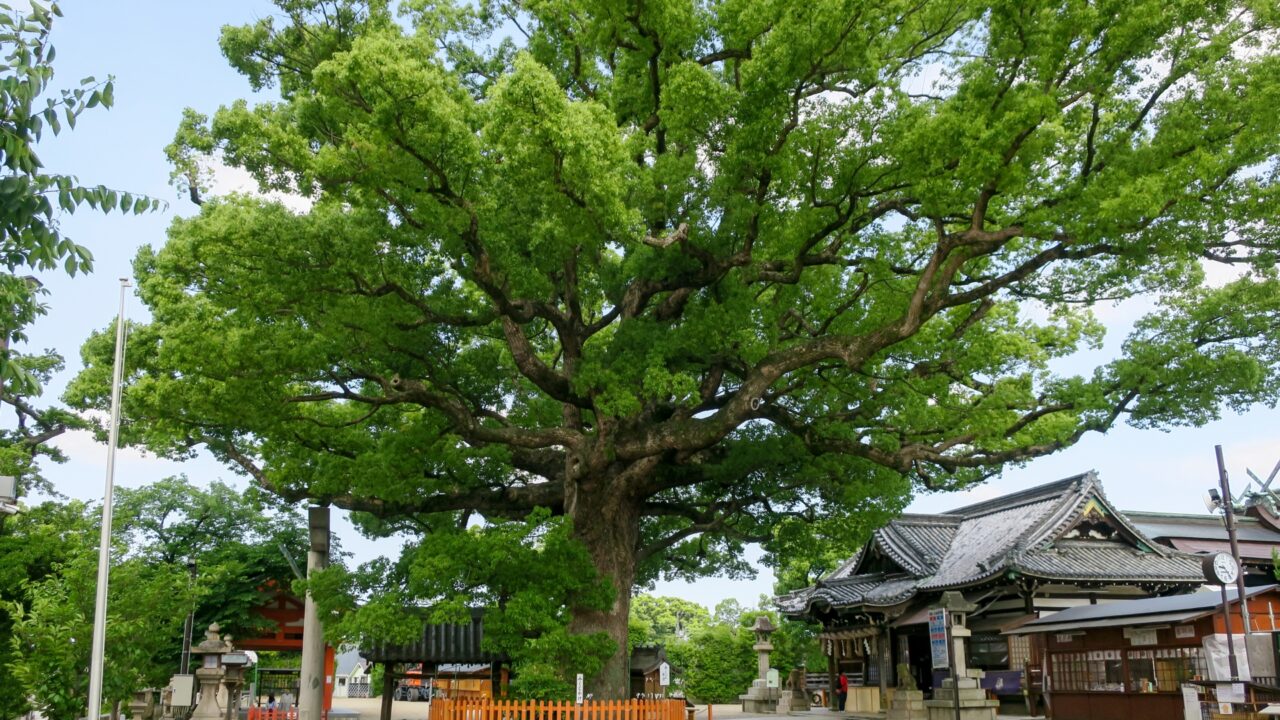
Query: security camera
point(7, 509)
point(1213, 500)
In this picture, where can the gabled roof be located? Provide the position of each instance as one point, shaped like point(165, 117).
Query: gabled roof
point(1064, 531)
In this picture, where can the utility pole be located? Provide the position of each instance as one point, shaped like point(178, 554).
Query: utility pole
point(1231, 536)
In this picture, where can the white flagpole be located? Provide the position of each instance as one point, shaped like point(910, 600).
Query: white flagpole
point(104, 548)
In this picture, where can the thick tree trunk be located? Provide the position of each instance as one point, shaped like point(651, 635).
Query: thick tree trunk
point(608, 523)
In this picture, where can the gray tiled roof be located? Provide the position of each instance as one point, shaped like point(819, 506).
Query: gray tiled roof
point(977, 543)
point(1098, 561)
point(1160, 526)
point(983, 541)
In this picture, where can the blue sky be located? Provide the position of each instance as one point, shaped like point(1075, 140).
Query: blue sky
point(164, 57)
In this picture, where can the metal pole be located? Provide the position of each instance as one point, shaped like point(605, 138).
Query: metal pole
point(1231, 536)
point(1231, 646)
point(104, 547)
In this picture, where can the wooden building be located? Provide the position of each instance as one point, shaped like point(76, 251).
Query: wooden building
point(441, 644)
point(646, 662)
point(1131, 659)
point(1018, 556)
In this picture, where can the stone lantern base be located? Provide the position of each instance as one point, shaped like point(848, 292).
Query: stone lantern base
point(974, 704)
point(907, 705)
point(760, 698)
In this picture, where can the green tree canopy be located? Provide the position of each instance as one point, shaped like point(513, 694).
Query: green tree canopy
point(668, 618)
point(684, 270)
point(237, 541)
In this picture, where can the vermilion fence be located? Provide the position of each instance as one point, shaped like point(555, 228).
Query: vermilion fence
point(484, 709)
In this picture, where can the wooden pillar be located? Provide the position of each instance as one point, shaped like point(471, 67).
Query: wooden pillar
point(495, 680)
point(886, 664)
point(388, 688)
point(832, 702)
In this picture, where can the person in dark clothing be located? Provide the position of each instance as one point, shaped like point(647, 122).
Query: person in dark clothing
point(842, 690)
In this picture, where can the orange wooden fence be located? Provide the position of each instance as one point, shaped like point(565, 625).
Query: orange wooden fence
point(484, 709)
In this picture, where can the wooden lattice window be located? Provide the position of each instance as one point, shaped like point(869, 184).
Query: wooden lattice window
point(1164, 669)
point(1094, 671)
point(1019, 651)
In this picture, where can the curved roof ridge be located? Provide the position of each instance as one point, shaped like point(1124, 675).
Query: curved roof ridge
point(1090, 488)
point(890, 540)
point(1023, 497)
point(928, 519)
point(1056, 520)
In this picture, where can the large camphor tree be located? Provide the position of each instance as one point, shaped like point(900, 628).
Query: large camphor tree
point(690, 273)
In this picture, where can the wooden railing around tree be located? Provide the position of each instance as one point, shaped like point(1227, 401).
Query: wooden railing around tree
point(485, 709)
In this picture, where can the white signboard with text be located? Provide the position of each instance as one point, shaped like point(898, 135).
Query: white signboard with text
point(938, 639)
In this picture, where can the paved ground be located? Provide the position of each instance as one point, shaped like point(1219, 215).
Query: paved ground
point(403, 710)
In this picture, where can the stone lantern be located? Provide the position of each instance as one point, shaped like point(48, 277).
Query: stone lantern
point(960, 696)
point(763, 629)
point(760, 697)
point(210, 674)
point(233, 665)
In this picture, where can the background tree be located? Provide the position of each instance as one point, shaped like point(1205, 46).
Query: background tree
point(716, 663)
point(236, 539)
point(34, 545)
point(681, 270)
point(50, 569)
point(51, 624)
point(667, 619)
point(30, 240)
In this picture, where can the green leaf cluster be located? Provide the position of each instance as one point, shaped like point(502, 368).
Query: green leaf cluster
point(527, 577)
point(31, 201)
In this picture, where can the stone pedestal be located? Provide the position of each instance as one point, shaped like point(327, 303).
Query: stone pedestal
point(210, 680)
point(143, 704)
point(974, 704)
point(793, 701)
point(166, 703)
point(907, 705)
point(794, 697)
point(760, 698)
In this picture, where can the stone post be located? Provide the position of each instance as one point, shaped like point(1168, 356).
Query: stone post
point(311, 692)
